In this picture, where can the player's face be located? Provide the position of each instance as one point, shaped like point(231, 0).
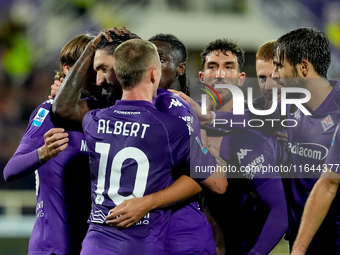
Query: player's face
point(222, 68)
point(264, 70)
point(106, 77)
point(287, 74)
point(168, 63)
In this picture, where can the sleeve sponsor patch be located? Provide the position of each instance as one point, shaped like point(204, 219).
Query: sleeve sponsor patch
point(40, 117)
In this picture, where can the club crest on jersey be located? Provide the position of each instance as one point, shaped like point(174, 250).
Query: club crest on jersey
point(175, 102)
point(40, 117)
point(327, 123)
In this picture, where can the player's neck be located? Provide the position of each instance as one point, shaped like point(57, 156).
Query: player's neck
point(139, 92)
point(319, 89)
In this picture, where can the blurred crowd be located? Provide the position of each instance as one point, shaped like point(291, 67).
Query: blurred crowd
point(26, 73)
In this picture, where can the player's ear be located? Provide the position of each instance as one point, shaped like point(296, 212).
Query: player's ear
point(152, 74)
point(201, 76)
point(305, 67)
point(66, 68)
point(181, 68)
point(241, 78)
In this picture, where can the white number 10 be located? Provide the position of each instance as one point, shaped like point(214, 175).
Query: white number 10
point(116, 172)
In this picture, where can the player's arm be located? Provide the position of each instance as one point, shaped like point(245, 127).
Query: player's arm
point(316, 209)
point(67, 103)
point(223, 118)
point(27, 158)
point(132, 210)
point(272, 194)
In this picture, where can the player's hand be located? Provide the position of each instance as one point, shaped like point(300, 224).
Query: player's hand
point(128, 212)
point(56, 140)
point(55, 87)
point(281, 137)
point(205, 119)
point(103, 33)
point(121, 31)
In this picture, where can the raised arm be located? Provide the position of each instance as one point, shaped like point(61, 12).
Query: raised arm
point(316, 209)
point(67, 103)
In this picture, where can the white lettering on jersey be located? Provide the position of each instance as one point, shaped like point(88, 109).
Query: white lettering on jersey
point(83, 146)
point(242, 154)
point(256, 161)
point(296, 114)
point(175, 102)
point(122, 128)
point(306, 150)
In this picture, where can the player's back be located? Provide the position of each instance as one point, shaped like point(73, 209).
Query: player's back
point(133, 149)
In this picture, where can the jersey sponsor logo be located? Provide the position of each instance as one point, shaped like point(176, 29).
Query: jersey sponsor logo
point(204, 150)
point(309, 150)
point(256, 161)
point(242, 154)
point(186, 118)
point(296, 114)
point(39, 210)
point(125, 112)
point(253, 167)
point(144, 221)
point(175, 102)
point(327, 122)
point(40, 117)
point(190, 128)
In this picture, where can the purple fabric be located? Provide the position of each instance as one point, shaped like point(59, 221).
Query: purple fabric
point(188, 225)
point(63, 187)
point(126, 136)
point(251, 151)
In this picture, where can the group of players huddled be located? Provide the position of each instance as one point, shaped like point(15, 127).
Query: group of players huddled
point(116, 147)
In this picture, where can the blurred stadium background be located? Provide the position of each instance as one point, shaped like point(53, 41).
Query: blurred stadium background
point(32, 33)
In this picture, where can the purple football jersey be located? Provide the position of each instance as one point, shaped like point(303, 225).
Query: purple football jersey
point(62, 186)
point(327, 238)
point(188, 225)
point(253, 211)
point(308, 146)
point(125, 162)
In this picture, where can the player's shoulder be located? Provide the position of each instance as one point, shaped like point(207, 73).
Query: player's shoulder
point(169, 99)
point(253, 138)
point(41, 112)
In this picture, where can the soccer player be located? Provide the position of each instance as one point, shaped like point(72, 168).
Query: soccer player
point(252, 213)
point(102, 65)
point(264, 70)
point(320, 219)
point(173, 55)
point(302, 58)
point(59, 159)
